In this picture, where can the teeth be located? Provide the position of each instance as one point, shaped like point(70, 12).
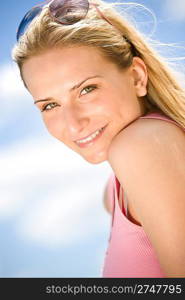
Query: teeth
point(90, 138)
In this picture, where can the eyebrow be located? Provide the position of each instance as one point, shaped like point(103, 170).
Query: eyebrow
point(76, 86)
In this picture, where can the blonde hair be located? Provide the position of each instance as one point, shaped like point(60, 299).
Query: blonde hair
point(118, 42)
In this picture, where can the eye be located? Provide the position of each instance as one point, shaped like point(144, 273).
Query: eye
point(88, 89)
point(49, 106)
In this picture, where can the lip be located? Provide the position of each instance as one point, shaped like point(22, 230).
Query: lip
point(83, 145)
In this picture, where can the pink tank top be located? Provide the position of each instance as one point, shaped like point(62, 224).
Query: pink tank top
point(129, 253)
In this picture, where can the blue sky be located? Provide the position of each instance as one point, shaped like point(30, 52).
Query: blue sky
point(52, 220)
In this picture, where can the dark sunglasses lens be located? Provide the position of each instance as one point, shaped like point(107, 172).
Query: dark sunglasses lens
point(69, 11)
point(30, 15)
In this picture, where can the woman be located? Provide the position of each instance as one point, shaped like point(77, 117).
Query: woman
point(106, 94)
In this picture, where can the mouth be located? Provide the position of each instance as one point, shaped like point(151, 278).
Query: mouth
point(91, 139)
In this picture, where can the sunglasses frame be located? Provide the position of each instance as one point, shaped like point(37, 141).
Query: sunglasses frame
point(36, 10)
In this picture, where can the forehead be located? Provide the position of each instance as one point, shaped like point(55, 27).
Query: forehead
point(64, 63)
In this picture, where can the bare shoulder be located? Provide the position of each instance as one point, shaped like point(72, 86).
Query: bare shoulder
point(148, 160)
point(145, 134)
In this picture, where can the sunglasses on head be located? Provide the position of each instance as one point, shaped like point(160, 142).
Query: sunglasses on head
point(66, 12)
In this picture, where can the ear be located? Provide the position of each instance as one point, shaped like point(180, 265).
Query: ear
point(140, 76)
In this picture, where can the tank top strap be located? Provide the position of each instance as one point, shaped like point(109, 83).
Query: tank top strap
point(121, 197)
point(160, 116)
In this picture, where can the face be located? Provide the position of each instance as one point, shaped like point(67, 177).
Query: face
point(85, 100)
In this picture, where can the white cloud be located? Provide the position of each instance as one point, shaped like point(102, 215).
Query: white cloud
point(63, 216)
point(175, 9)
point(15, 100)
point(51, 193)
point(10, 83)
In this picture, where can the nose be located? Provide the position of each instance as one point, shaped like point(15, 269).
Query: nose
point(75, 121)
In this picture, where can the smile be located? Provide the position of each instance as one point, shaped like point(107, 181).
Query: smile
point(91, 138)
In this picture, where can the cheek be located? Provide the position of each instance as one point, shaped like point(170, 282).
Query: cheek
point(114, 106)
point(105, 105)
point(53, 127)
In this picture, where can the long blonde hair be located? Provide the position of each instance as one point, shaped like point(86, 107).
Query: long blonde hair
point(118, 42)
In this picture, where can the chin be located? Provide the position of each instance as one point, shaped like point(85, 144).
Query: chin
point(95, 162)
point(100, 158)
